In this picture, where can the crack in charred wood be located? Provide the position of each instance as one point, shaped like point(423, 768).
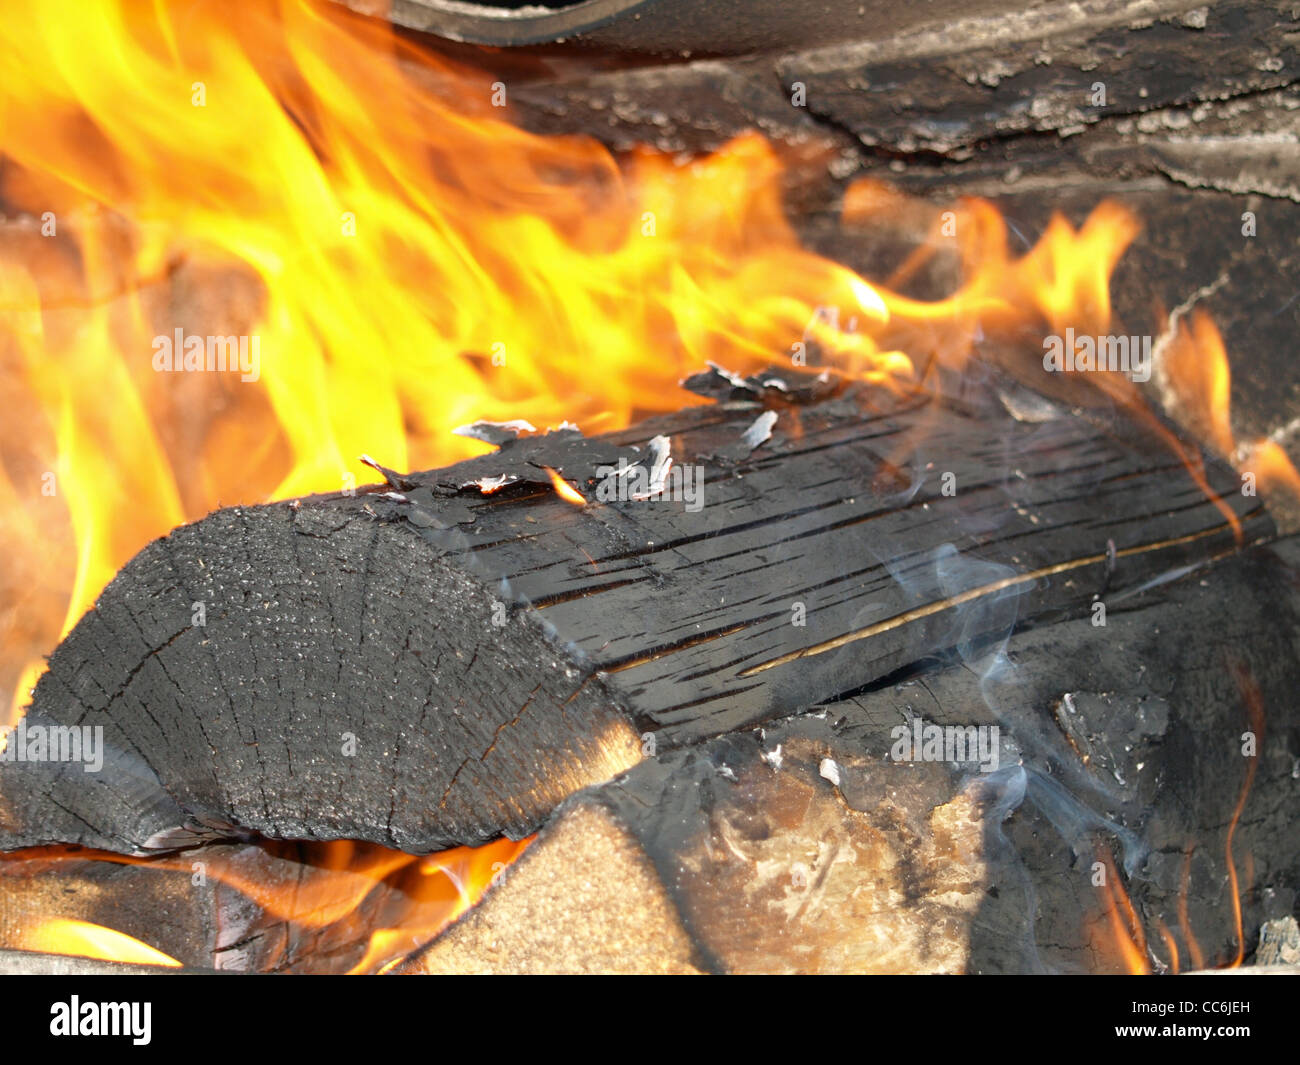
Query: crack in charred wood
point(584, 593)
point(346, 629)
point(256, 745)
point(131, 674)
point(511, 723)
point(970, 595)
point(617, 666)
point(442, 802)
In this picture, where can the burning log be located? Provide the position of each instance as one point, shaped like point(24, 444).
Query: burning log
point(269, 907)
point(830, 842)
point(422, 664)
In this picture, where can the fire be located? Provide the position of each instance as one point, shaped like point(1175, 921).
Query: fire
point(1062, 282)
point(1194, 951)
point(1195, 365)
point(402, 259)
point(393, 258)
point(60, 935)
point(565, 490)
point(1254, 700)
point(409, 898)
point(1126, 933)
point(1171, 945)
point(397, 259)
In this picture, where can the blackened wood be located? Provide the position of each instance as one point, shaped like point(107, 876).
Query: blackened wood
point(944, 90)
point(814, 844)
point(422, 666)
point(1132, 738)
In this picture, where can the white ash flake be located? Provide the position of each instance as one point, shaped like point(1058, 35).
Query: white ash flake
point(494, 432)
point(488, 485)
point(830, 769)
point(661, 461)
point(1027, 407)
point(761, 430)
point(733, 379)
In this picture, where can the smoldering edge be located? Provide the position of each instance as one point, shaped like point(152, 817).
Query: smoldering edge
point(921, 742)
point(54, 743)
point(1071, 354)
point(102, 1018)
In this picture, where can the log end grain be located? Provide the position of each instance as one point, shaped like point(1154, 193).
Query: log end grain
point(306, 672)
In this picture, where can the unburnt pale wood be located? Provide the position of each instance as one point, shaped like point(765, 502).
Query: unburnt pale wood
point(421, 665)
point(584, 899)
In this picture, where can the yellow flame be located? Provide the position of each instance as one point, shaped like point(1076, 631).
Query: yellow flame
point(61, 935)
point(394, 902)
point(565, 490)
point(1196, 364)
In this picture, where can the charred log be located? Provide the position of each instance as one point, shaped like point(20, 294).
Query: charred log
point(422, 665)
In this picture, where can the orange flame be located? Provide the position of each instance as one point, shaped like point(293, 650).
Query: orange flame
point(565, 490)
point(1254, 700)
point(1195, 363)
point(1126, 932)
point(413, 897)
point(1170, 944)
point(1194, 951)
point(401, 258)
